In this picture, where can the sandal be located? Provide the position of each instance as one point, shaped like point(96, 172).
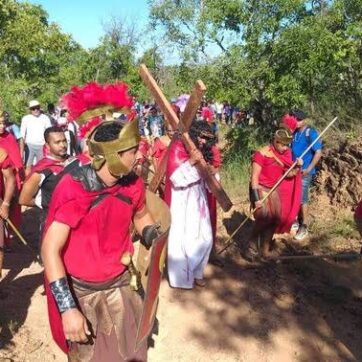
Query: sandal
point(200, 283)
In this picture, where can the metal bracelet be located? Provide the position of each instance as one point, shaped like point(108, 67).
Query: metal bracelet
point(255, 195)
point(62, 294)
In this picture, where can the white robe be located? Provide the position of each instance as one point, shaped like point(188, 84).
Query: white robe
point(190, 237)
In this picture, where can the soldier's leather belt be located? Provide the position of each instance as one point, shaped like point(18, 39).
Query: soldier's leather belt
point(83, 287)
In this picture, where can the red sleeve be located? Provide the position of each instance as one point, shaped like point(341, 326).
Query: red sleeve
point(258, 158)
point(158, 148)
point(67, 204)
point(138, 195)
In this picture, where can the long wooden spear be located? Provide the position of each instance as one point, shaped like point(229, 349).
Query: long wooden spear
point(21, 238)
point(230, 240)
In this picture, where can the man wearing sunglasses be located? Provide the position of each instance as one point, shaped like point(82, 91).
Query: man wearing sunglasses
point(32, 130)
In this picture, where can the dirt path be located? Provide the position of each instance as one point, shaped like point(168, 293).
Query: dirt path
point(301, 311)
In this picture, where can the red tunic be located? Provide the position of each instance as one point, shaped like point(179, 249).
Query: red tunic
point(10, 145)
point(207, 114)
point(5, 162)
point(99, 235)
point(143, 148)
point(159, 149)
point(273, 166)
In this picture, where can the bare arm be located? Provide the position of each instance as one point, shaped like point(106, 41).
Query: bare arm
point(22, 147)
point(52, 245)
point(255, 173)
point(74, 324)
point(142, 219)
point(29, 190)
point(317, 156)
point(10, 182)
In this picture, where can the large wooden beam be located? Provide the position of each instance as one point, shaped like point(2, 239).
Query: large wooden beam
point(171, 116)
point(193, 105)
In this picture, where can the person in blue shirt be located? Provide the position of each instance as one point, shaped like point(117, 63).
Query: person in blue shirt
point(303, 136)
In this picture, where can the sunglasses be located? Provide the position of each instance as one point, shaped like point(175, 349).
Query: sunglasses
point(37, 108)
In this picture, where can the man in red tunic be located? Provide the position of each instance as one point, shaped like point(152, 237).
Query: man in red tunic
point(7, 189)
point(92, 310)
point(278, 212)
point(9, 143)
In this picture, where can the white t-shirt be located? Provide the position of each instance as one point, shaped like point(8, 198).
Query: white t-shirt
point(219, 107)
point(32, 129)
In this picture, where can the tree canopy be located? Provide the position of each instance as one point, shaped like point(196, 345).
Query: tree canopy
point(267, 56)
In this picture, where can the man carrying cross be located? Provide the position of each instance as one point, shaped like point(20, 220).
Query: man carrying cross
point(190, 238)
point(188, 174)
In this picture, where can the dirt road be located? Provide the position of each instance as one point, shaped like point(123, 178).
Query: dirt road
point(300, 311)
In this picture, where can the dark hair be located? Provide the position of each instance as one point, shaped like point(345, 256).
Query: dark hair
point(53, 129)
point(108, 131)
point(298, 114)
point(197, 129)
point(51, 107)
point(63, 112)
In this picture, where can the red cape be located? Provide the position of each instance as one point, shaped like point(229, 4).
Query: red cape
point(211, 200)
point(159, 149)
point(56, 166)
point(274, 164)
point(8, 142)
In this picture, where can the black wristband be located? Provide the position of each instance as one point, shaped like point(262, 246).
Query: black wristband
point(62, 294)
point(255, 195)
point(149, 233)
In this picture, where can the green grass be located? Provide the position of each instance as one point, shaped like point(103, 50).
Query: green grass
point(345, 227)
point(340, 224)
point(235, 176)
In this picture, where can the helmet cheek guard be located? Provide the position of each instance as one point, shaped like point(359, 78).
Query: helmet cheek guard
point(108, 152)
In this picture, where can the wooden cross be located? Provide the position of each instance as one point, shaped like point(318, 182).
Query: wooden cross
point(182, 126)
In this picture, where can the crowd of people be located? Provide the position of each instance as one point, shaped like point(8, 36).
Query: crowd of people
point(86, 166)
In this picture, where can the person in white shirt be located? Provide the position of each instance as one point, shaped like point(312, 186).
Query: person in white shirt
point(32, 130)
point(219, 110)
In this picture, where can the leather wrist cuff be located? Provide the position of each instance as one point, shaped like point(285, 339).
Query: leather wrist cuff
point(255, 195)
point(149, 233)
point(62, 294)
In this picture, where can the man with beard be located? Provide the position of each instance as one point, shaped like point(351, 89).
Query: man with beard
point(190, 237)
point(44, 176)
point(278, 212)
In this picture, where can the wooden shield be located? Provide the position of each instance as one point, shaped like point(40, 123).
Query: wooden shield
point(150, 263)
point(155, 269)
point(161, 215)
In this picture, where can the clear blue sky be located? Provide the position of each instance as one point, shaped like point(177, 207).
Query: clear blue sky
point(83, 18)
